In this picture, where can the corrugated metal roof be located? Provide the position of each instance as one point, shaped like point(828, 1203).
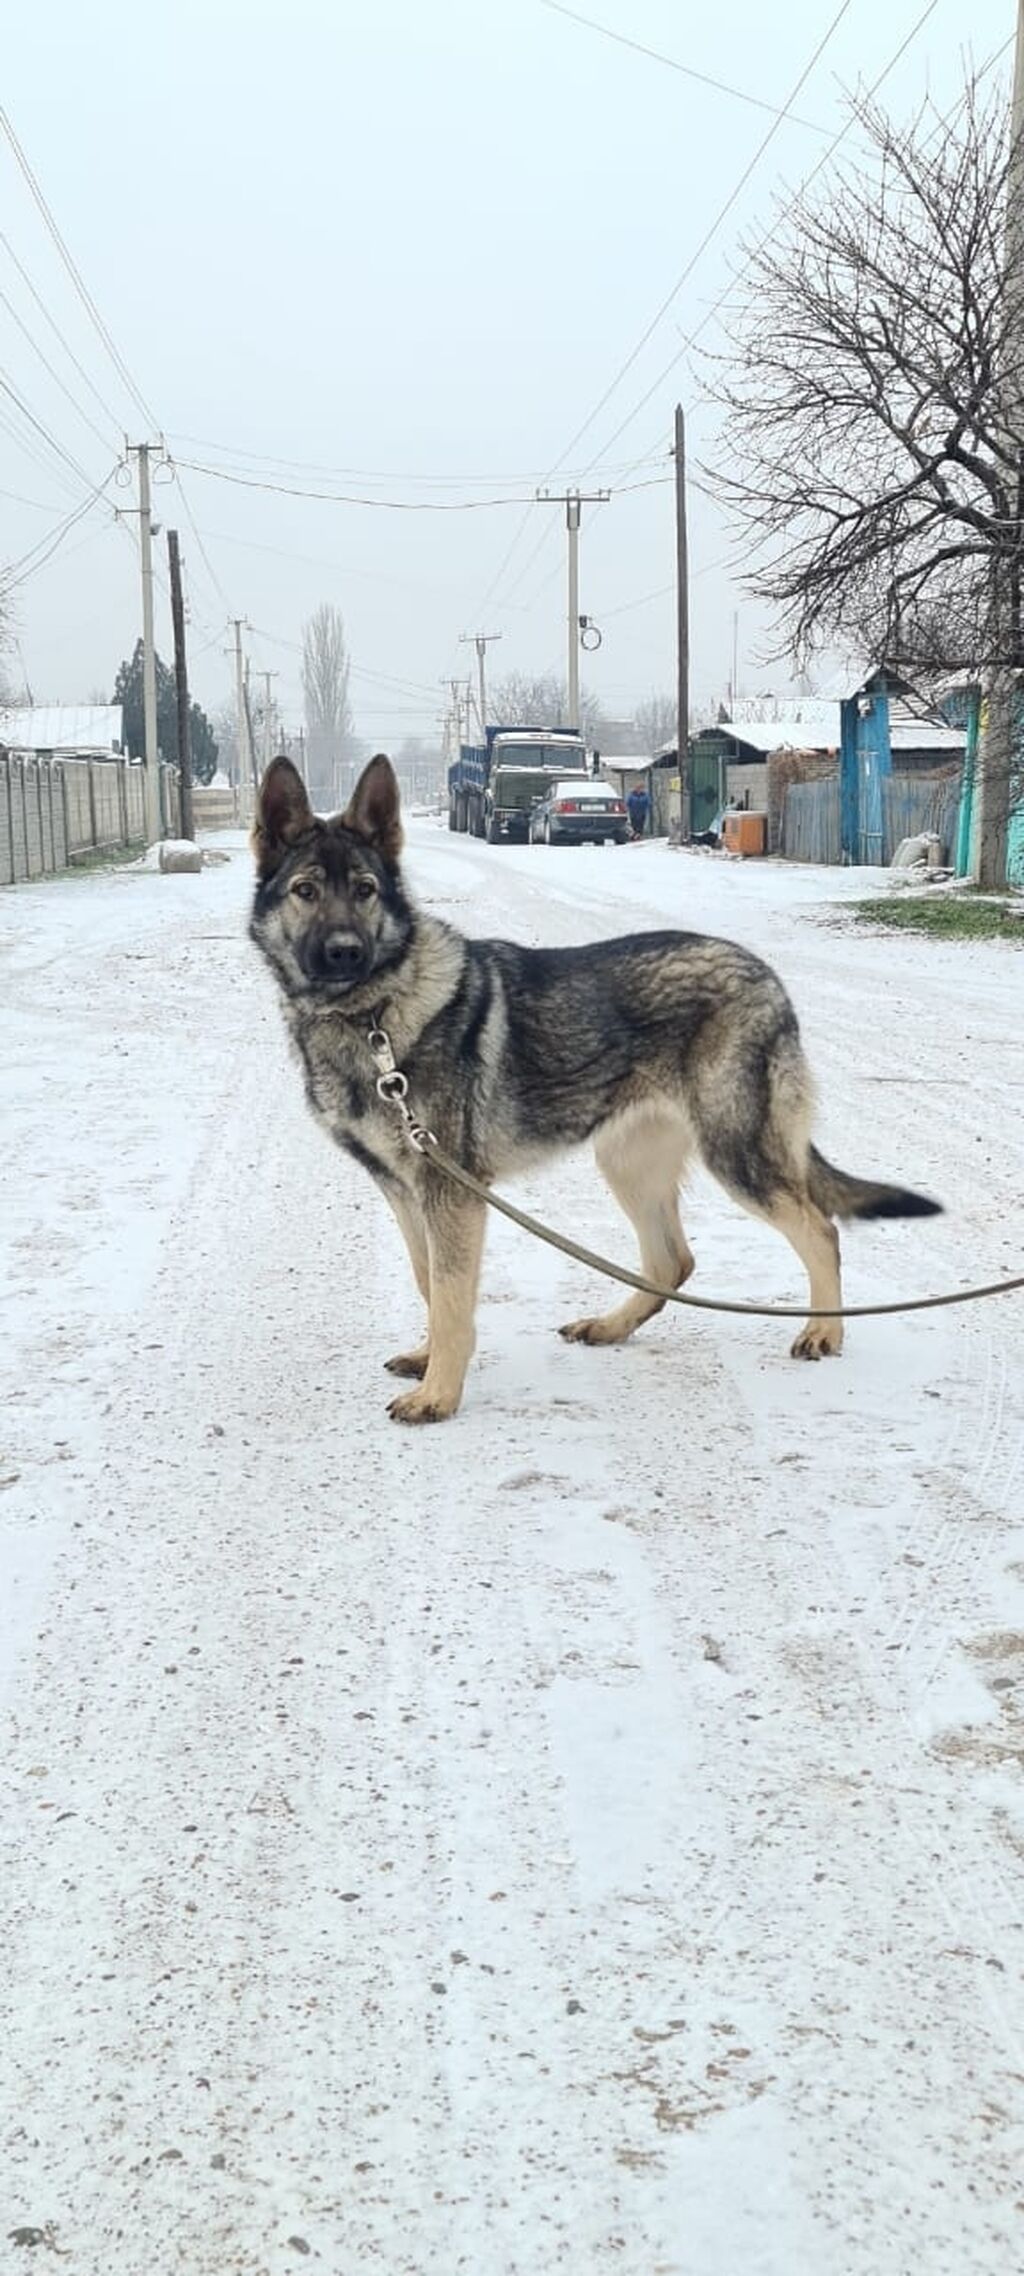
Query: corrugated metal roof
point(83, 727)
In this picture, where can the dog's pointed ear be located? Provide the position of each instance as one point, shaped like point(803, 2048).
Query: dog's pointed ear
point(374, 810)
point(283, 815)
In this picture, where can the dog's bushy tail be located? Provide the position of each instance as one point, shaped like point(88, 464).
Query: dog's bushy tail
point(840, 1195)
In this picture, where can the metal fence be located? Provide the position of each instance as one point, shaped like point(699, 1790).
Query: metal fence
point(55, 812)
point(912, 806)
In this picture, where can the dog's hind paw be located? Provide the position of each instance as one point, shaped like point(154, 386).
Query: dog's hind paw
point(413, 1363)
point(605, 1329)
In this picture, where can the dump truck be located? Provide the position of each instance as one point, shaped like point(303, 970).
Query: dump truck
point(492, 785)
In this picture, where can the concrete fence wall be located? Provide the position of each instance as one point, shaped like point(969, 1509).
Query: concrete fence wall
point(55, 812)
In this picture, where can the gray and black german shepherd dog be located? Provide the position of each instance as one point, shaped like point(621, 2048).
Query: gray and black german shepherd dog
point(660, 1047)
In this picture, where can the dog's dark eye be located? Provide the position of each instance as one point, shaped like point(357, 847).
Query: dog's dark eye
point(304, 890)
point(364, 889)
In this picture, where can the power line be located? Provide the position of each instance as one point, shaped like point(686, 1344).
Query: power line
point(56, 330)
point(799, 192)
point(85, 416)
point(207, 563)
point(721, 86)
point(89, 538)
point(57, 447)
point(17, 499)
point(103, 333)
point(74, 272)
point(383, 505)
point(44, 460)
point(360, 671)
point(713, 229)
point(277, 460)
point(588, 422)
point(17, 571)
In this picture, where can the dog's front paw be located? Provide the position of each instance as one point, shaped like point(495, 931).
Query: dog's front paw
point(421, 1407)
point(820, 1339)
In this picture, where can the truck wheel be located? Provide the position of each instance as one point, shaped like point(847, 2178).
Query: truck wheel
point(493, 831)
point(452, 823)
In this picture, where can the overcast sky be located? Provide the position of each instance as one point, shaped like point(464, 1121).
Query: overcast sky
point(399, 251)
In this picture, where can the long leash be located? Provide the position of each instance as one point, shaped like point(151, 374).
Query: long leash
point(393, 1089)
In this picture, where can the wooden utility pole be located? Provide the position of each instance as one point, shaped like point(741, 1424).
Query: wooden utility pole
point(181, 685)
point(140, 452)
point(1003, 686)
point(254, 783)
point(242, 760)
point(268, 721)
point(683, 630)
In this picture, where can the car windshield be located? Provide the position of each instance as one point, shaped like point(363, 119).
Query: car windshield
point(582, 786)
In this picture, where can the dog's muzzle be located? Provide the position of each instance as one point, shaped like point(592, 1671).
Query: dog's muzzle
point(340, 957)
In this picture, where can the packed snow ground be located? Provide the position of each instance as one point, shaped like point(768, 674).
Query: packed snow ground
point(586, 1836)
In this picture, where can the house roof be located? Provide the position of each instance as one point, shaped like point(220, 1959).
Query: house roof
point(816, 734)
point(925, 735)
point(82, 727)
point(914, 728)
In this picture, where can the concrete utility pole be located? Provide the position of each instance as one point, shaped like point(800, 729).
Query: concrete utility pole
point(455, 688)
point(181, 685)
point(682, 632)
point(481, 642)
point(573, 500)
point(140, 451)
point(1003, 681)
point(268, 753)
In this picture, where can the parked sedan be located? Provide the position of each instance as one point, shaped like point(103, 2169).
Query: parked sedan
point(575, 808)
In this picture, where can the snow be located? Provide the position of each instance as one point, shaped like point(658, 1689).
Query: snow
point(587, 1835)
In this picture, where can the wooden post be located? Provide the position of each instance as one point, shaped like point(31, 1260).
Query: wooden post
point(187, 823)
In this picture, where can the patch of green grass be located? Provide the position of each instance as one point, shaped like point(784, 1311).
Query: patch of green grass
point(945, 916)
point(108, 857)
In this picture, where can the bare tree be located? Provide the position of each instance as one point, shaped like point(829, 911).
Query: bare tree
point(8, 693)
point(528, 700)
point(873, 445)
point(325, 675)
point(656, 721)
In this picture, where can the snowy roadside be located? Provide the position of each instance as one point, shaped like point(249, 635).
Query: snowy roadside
point(586, 1836)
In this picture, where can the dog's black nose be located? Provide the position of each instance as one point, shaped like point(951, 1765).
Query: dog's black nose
point(343, 955)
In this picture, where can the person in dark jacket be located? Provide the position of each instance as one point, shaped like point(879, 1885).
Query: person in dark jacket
point(638, 807)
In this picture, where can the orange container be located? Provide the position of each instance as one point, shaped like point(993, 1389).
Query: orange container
point(746, 833)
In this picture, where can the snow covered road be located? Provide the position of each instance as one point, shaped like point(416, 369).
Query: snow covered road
point(587, 1836)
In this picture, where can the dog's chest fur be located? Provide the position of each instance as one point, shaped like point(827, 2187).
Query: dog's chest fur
point(341, 1087)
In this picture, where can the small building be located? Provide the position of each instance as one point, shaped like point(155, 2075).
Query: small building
point(729, 763)
point(64, 730)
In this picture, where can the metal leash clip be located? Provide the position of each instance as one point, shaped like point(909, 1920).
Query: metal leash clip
point(393, 1088)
